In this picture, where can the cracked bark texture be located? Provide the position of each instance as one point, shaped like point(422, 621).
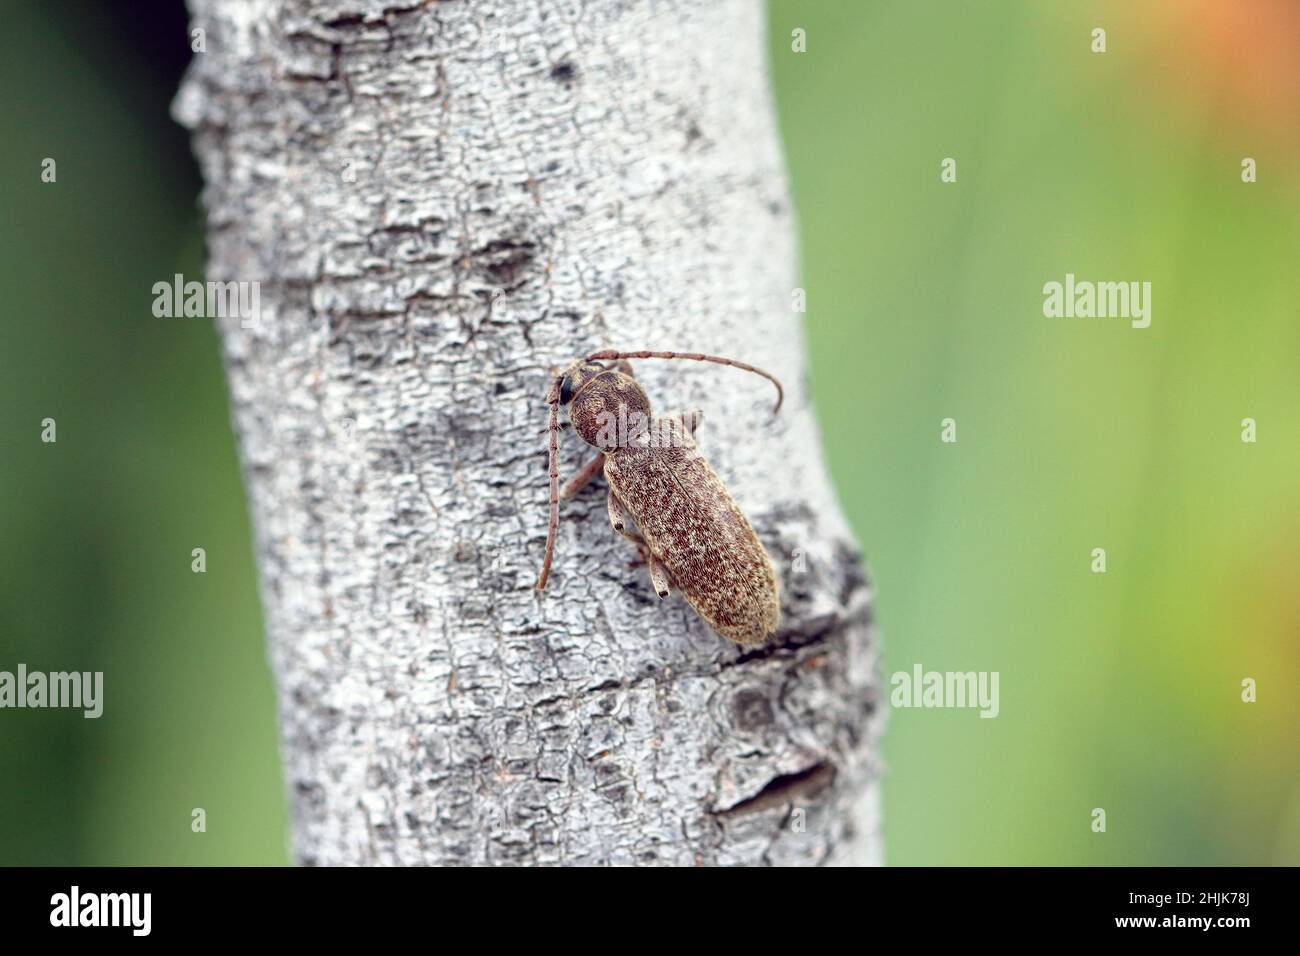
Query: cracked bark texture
point(441, 201)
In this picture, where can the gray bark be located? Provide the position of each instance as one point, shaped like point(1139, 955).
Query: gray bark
point(441, 201)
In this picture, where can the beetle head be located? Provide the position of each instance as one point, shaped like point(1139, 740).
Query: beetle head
point(569, 382)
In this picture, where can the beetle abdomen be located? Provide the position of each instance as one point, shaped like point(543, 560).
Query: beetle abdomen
point(698, 533)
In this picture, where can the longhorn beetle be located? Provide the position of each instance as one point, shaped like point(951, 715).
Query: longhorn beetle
point(690, 533)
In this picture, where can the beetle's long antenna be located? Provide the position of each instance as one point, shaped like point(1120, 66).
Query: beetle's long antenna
point(552, 399)
point(612, 355)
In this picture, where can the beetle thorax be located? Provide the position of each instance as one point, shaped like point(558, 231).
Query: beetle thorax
point(610, 411)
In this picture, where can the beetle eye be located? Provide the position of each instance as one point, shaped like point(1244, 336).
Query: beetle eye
point(566, 390)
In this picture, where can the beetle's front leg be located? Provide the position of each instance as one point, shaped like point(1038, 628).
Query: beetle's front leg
point(618, 519)
point(579, 481)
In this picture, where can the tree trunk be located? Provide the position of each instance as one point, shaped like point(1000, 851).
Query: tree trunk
point(441, 201)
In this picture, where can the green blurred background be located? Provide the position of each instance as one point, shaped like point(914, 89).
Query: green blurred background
point(1118, 690)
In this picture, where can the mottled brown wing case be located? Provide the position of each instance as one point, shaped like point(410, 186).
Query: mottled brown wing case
point(702, 538)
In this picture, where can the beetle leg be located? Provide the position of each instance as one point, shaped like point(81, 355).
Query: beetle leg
point(579, 481)
point(658, 574)
point(618, 518)
point(673, 428)
point(690, 419)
